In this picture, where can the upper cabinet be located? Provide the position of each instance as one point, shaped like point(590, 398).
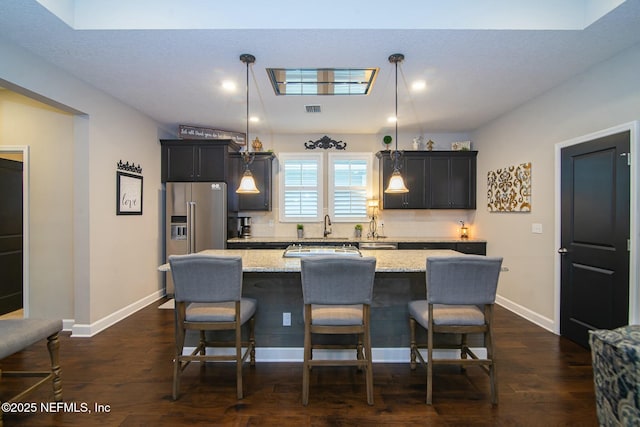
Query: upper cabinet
point(186, 160)
point(415, 171)
point(435, 179)
point(453, 180)
point(261, 169)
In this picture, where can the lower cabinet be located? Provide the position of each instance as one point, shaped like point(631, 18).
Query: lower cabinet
point(471, 248)
point(257, 245)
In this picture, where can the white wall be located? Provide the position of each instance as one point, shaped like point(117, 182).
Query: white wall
point(115, 258)
point(605, 96)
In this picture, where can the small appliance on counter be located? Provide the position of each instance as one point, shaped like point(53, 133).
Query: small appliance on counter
point(244, 226)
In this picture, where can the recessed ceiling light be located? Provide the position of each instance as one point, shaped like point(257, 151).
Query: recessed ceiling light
point(322, 81)
point(419, 85)
point(254, 119)
point(392, 119)
point(229, 86)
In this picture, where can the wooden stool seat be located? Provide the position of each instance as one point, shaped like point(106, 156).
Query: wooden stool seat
point(18, 334)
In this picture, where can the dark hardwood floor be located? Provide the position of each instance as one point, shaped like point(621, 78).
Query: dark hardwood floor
point(544, 380)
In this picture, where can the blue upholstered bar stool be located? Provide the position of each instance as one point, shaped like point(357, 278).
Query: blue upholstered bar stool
point(337, 293)
point(208, 296)
point(461, 292)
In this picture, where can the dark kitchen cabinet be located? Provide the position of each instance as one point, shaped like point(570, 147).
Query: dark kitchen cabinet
point(257, 245)
point(261, 168)
point(453, 180)
point(196, 160)
point(415, 171)
point(435, 179)
point(473, 248)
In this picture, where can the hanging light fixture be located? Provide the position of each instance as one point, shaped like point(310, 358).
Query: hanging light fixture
point(247, 183)
point(396, 183)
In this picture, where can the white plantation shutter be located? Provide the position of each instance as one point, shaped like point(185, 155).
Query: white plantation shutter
point(300, 187)
point(349, 185)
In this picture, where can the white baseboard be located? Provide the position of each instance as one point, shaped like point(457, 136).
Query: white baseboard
point(67, 324)
point(89, 330)
point(532, 316)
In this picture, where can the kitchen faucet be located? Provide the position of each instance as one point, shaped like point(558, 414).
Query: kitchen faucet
point(327, 222)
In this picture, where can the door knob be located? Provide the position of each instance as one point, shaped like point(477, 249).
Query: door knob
point(563, 251)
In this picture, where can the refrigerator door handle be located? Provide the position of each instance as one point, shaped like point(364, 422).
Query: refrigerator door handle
point(191, 227)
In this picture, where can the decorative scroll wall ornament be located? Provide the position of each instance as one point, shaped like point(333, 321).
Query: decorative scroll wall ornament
point(129, 167)
point(326, 143)
point(509, 189)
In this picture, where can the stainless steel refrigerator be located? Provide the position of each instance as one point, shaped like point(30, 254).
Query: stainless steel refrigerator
point(196, 215)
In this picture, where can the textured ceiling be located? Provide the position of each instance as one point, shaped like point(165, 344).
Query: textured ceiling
point(174, 75)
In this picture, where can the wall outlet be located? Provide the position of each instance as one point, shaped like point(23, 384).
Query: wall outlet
point(286, 319)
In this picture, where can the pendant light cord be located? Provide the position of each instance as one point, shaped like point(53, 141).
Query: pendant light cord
point(396, 58)
point(396, 107)
point(247, 155)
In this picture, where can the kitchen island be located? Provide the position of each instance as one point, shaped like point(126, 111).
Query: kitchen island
point(272, 260)
point(274, 281)
point(467, 246)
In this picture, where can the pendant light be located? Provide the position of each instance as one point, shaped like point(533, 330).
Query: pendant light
point(396, 183)
point(247, 183)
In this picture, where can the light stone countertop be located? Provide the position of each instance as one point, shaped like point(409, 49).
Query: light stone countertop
point(272, 261)
point(304, 240)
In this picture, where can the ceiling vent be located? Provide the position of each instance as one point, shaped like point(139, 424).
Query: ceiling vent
point(313, 109)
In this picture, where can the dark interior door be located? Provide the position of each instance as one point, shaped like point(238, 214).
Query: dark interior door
point(10, 235)
point(594, 236)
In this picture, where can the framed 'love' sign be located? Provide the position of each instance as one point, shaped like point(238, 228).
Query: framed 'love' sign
point(128, 194)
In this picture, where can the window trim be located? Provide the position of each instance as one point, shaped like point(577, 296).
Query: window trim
point(332, 157)
point(282, 159)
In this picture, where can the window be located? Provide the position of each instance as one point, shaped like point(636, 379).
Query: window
point(349, 184)
point(301, 189)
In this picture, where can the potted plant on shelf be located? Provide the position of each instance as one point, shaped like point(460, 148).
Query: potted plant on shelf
point(387, 141)
point(300, 230)
point(358, 229)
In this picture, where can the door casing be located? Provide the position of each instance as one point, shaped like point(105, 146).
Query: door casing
point(634, 216)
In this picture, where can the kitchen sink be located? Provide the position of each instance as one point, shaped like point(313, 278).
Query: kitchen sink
point(299, 251)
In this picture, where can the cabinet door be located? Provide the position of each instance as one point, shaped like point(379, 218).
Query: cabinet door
point(210, 163)
point(427, 245)
point(462, 183)
point(261, 169)
point(453, 182)
point(389, 201)
point(416, 178)
point(474, 248)
point(414, 171)
point(179, 163)
point(440, 173)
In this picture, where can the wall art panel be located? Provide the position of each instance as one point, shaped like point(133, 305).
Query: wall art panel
point(509, 189)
